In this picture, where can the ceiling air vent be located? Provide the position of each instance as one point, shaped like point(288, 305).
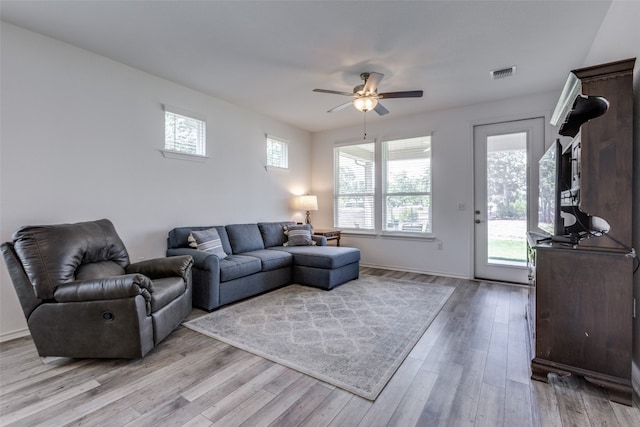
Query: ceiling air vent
point(503, 72)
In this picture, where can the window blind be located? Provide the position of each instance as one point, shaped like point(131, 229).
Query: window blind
point(184, 133)
point(277, 152)
point(354, 188)
point(407, 185)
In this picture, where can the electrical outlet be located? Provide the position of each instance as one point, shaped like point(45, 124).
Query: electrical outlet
point(439, 246)
point(461, 206)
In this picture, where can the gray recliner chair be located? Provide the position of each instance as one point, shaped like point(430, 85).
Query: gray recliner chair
point(83, 299)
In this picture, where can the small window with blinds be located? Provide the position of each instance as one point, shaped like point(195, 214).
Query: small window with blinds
point(277, 152)
point(406, 186)
point(184, 132)
point(354, 187)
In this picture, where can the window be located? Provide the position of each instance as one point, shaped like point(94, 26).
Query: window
point(407, 185)
point(277, 152)
point(354, 187)
point(184, 132)
point(398, 201)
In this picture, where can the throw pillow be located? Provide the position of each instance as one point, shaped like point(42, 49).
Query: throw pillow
point(207, 240)
point(298, 235)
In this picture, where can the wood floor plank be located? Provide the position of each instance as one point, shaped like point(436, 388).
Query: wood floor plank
point(626, 415)
point(465, 401)
point(303, 407)
point(471, 367)
point(30, 378)
point(517, 406)
point(517, 351)
point(213, 396)
point(385, 405)
point(243, 361)
point(410, 407)
point(242, 393)
point(488, 303)
point(109, 415)
point(165, 388)
point(198, 421)
point(243, 411)
point(490, 407)
point(283, 401)
point(438, 406)
point(596, 401)
point(544, 405)
point(117, 390)
point(47, 402)
point(327, 409)
point(352, 413)
point(570, 403)
point(495, 371)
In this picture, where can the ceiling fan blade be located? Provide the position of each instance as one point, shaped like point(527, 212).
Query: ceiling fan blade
point(335, 92)
point(380, 110)
point(371, 85)
point(340, 107)
point(405, 94)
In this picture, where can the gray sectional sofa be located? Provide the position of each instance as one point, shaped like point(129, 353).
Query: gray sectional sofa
point(259, 262)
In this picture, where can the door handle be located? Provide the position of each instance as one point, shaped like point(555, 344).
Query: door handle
point(478, 221)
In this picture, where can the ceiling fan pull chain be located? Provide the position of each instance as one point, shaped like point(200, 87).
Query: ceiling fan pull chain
point(365, 126)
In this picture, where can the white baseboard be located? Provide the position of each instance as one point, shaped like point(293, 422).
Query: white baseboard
point(409, 270)
point(13, 335)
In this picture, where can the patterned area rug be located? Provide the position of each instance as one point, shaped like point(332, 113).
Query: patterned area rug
point(354, 336)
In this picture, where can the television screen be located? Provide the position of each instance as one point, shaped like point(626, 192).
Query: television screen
point(549, 220)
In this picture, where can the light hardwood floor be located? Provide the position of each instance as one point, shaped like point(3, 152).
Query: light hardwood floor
point(471, 368)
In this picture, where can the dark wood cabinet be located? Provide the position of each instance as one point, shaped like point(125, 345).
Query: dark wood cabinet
point(607, 153)
point(581, 303)
point(583, 317)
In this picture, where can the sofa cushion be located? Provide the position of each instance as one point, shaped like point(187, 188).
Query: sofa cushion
point(272, 260)
point(321, 256)
point(235, 266)
point(298, 235)
point(207, 240)
point(166, 290)
point(244, 237)
point(273, 232)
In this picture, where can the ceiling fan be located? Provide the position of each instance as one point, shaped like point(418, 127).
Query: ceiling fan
point(366, 95)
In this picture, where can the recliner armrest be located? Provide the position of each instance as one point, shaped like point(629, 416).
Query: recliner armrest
point(126, 286)
point(160, 268)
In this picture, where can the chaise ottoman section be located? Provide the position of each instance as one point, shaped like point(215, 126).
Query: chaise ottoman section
point(323, 267)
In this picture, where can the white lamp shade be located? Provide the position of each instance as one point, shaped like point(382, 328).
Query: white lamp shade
point(308, 203)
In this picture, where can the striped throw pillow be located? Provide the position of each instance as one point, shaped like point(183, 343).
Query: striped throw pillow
point(298, 235)
point(207, 240)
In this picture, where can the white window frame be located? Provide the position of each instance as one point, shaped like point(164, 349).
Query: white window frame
point(379, 193)
point(425, 212)
point(199, 139)
point(369, 197)
point(271, 162)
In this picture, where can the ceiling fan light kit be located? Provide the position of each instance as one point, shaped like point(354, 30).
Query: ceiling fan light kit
point(365, 103)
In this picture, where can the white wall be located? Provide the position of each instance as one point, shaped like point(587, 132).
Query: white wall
point(452, 141)
point(79, 139)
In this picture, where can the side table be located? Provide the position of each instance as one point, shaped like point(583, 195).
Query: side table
point(329, 235)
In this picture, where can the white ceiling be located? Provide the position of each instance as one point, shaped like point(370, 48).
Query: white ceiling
point(268, 55)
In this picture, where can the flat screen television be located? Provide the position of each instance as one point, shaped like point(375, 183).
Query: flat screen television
point(549, 211)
